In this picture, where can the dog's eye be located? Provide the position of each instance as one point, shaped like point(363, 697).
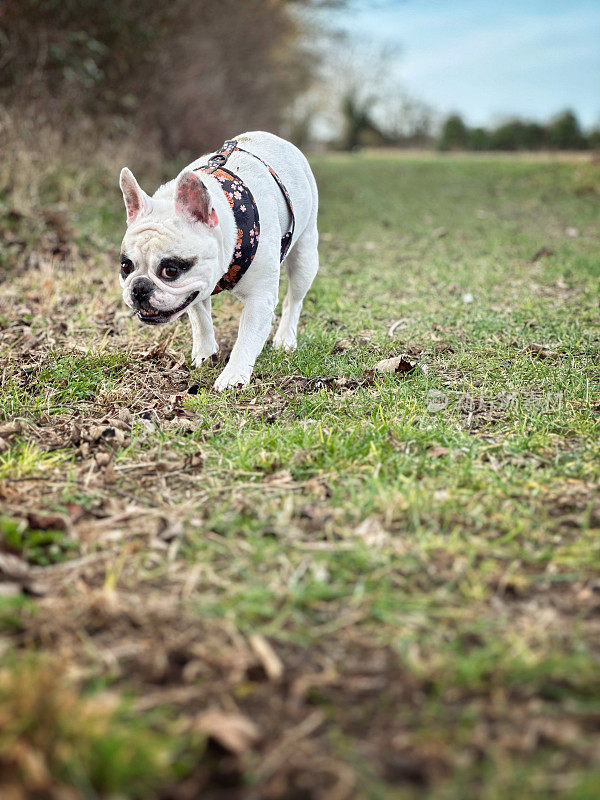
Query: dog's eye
point(126, 266)
point(169, 272)
point(172, 267)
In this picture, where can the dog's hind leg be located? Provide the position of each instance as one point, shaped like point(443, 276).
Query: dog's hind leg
point(302, 265)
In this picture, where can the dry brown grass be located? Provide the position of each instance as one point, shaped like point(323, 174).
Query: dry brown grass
point(43, 166)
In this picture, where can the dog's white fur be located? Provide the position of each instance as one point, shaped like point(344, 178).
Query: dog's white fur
point(160, 227)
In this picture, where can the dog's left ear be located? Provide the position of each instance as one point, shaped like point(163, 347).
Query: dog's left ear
point(136, 199)
point(192, 200)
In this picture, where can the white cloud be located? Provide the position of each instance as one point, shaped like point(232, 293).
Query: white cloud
point(530, 58)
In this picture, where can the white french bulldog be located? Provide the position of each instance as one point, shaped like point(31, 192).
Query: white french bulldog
point(224, 228)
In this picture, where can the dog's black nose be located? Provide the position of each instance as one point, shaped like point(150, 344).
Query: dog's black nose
point(141, 289)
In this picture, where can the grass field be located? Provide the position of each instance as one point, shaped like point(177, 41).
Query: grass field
point(333, 583)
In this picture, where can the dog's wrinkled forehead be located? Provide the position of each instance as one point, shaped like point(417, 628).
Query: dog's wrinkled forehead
point(150, 241)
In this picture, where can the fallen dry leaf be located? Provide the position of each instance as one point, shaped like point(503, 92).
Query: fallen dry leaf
point(399, 364)
point(102, 458)
point(75, 511)
point(444, 348)
point(234, 732)
point(439, 451)
point(543, 252)
point(372, 532)
point(397, 324)
point(194, 460)
point(540, 351)
point(341, 345)
point(13, 567)
point(269, 659)
point(317, 486)
point(10, 428)
point(46, 522)
point(278, 478)
point(15, 577)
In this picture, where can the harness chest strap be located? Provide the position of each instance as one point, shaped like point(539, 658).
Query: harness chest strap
point(245, 213)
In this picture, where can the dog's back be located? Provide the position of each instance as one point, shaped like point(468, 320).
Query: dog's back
point(288, 162)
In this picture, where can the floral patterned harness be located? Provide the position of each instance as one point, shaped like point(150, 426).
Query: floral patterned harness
point(245, 214)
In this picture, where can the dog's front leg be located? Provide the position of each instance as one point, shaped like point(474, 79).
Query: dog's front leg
point(255, 325)
point(204, 344)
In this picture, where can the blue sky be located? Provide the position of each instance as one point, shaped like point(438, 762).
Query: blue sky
point(489, 59)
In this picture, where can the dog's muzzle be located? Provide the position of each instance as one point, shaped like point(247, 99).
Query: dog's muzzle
point(141, 292)
point(141, 289)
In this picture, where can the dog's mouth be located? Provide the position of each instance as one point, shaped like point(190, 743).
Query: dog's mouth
point(154, 316)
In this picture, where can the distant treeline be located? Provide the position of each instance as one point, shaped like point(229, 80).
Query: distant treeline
point(562, 132)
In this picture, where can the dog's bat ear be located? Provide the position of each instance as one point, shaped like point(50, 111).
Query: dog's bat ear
point(192, 200)
point(136, 199)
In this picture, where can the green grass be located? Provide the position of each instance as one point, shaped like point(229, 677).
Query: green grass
point(448, 518)
point(62, 380)
point(37, 546)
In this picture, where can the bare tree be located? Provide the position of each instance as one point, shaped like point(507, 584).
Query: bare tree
point(360, 101)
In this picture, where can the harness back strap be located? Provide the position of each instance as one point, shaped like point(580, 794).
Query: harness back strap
point(245, 213)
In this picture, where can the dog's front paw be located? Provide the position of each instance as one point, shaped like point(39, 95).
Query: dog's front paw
point(202, 354)
point(284, 342)
point(232, 377)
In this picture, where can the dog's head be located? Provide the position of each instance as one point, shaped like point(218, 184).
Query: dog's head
point(170, 255)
